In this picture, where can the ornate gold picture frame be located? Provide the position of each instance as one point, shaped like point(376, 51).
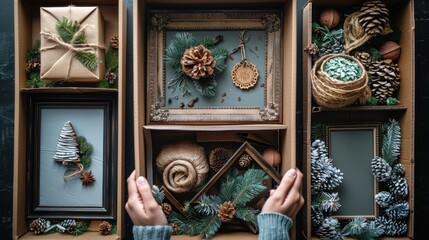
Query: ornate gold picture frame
point(243, 87)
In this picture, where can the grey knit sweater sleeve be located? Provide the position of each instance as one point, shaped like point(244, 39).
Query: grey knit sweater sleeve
point(161, 232)
point(274, 226)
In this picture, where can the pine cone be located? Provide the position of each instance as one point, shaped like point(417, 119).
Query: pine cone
point(69, 225)
point(166, 208)
point(324, 176)
point(363, 58)
point(398, 171)
point(398, 187)
point(110, 77)
point(383, 199)
point(244, 160)
point(329, 229)
point(381, 169)
point(39, 225)
point(226, 211)
point(198, 62)
point(32, 65)
point(398, 211)
point(384, 79)
point(392, 227)
point(330, 48)
point(114, 42)
point(317, 216)
point(218, 158)
point(175, 228)
point(105, 228)
point(374, 17)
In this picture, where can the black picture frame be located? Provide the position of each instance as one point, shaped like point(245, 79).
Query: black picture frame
point(38, 105)
point(352, 146)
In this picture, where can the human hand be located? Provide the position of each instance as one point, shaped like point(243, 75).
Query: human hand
point(141, 205)
point(287, 198)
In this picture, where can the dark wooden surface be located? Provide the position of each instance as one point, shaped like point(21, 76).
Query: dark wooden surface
point(7, 106)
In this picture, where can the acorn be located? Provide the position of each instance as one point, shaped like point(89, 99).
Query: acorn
point(329, 17)
point(390, 50)
point(272, 157)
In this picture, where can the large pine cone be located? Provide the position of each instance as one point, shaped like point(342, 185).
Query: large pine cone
point(384, 199)
point(392, 227)
point(381, 169)
point(32, 65)
point(198, 62)
point(218, 158)
point(39, 225)
point(374, 17)
point(226, 211)
point(398, 187)
point(385, 79)
point(330, 229)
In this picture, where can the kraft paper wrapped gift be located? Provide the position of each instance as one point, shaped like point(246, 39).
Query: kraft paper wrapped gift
point(58, 56)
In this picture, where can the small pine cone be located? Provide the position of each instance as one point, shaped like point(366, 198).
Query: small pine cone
point(218, 158)
point(69, 225)
point(32, 65)
point(317, 216)
point(166, 208)
point(226, 211)
point(392, 227)
point(39, 225)
point(398, 187)
point(398, 211)
point(114, 42)
point(383, 199)
point(110, 77)
point(381, 169)
point(384, 79)
point(198, 62)
point(330, 229)
point(312, 49)
point(363, 58)
point(175, 228)
point(374, 17)
point(398, 171)
point(244, 160)
point(105, 228)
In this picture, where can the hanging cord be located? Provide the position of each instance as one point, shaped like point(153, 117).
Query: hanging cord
point(241, 44)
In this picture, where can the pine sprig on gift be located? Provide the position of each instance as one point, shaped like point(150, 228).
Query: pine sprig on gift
point(391, 141)
point(111, 66)
point(67, 29)
point(85, 151)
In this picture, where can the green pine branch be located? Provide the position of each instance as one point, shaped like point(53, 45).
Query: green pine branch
point(179, 82)
point(85, 151)
point(318, 199)
point(88, 59)
point(206, 87)
point(80, 228)
point(209, 225)
point(33, 54)
point(391, 141)
point(177, 47)
point(360, 229)
point(112, 59)
point(67, 28)
point(158, 194)
point(248, 186)
point(248, 215)
point(317, 131)
point(208, 204)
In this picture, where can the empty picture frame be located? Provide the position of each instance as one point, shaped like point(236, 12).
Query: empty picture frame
point(49, 194)
point(261, 103)
point(352, 148)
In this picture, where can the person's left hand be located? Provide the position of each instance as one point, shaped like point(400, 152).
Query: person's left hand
point(141, 205)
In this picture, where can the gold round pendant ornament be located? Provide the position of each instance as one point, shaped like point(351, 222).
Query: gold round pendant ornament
point(244, 75)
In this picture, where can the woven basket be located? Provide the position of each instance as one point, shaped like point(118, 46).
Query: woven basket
point(331, 93)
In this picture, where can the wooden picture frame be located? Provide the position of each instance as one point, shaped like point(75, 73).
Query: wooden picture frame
point(49, 194)
point(262, 103)
point(352, 146)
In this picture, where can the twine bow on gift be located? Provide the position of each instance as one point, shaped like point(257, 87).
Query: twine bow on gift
point(84, 52)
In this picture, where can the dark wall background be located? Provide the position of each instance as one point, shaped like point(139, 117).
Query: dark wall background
point(7, 108)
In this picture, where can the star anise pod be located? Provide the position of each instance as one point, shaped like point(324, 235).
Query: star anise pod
point(87, 178)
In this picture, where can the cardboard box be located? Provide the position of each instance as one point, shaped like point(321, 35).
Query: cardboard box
point(288, 67)
point(27, 30)
point(402, 19)
point(60, 62)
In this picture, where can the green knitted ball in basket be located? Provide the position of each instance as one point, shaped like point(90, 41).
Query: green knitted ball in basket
point(332, 80)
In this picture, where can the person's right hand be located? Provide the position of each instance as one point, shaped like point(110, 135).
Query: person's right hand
point(141, 205)
point(287, 198)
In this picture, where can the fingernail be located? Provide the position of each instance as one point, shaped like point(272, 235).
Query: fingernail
point(141, 180)
point(291, 172)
